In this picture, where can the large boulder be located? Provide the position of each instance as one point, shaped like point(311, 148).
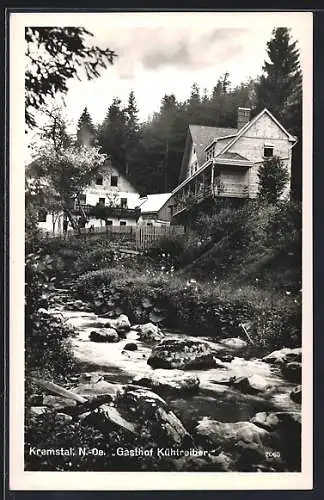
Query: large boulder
point(182, 354)
point(292, 371)
point(140, 412)
point(224, 436)
point(104, 335)
point(233, 343)
point(149, 332)
point(161, 380)
point(251, 384)
point(284, 355)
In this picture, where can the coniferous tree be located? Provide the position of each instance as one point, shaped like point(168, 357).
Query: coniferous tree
point(280, 90)
point(86, 132)
point(280, 85)
point(112, 134)
point(132, 137)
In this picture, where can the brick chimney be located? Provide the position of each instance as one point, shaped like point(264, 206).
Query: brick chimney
point(243, 117)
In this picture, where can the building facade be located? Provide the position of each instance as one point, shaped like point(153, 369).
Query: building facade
point(110, 189)
point(224, 163)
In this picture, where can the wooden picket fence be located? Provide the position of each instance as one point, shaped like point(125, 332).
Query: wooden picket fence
point(136, 237)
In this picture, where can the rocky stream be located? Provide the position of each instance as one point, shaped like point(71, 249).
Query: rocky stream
point(236, 407)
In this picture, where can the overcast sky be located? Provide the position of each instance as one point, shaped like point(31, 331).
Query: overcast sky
point(166, 52)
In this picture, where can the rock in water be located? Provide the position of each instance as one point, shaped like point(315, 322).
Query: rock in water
point(130, 346)
point(292, 371)
point(120, 324)
point(181, 354)
point(250, 385)
point(284, 355)
point(233, 343)
point(224, 436)
point(277, 421)
point(104, 335)
point(149, 332)
point(161, 380)
point(296, 394)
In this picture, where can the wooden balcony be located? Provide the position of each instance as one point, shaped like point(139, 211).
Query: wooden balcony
point(116, 212)
point(186, 200)
point(231, 190)
point(223, 190)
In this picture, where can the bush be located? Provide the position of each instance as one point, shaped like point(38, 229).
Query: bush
point(216, 309)
point(47, 344)
point(71, 258)
point(47, 337)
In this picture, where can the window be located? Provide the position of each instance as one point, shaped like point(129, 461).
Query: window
point(268, 151)
point(122, 223)
point(123, 202)
point(82, 199)
point(99, 180)
point(42, 214)
point(109, 222)
point(149, 224)
point(102, 201)
point(114, 181)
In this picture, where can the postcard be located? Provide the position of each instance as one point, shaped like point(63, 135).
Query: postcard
point(161, 250)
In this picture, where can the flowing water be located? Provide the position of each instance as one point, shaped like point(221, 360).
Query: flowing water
point(214, 400)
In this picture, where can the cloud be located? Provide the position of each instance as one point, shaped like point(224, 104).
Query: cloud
point(164, 47)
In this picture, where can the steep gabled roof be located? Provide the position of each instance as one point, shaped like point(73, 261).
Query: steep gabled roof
point(200, 136)
point(250, 123)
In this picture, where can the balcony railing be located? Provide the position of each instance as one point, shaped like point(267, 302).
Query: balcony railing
point(118, 212)
point(187, 200)
point(230, 190)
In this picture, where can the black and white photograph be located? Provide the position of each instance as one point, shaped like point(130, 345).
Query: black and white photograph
point(162, 223)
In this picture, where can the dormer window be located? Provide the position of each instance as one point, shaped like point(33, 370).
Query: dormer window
point(268, 151)
point(99, 180)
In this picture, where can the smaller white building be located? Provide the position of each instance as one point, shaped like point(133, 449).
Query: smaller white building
point(155, 210)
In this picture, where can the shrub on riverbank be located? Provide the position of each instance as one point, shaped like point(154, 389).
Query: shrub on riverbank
point(47, 338)
point(256, 243)
point(201, 308)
